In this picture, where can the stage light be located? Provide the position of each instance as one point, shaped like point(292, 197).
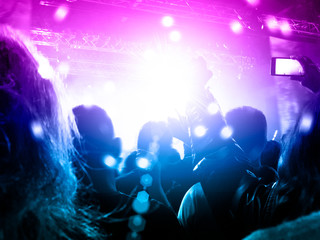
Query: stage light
point(226, 132)
point(110, 161)
point(200, 131)
point(272, 23)
point(236, 27)
point(143, 163)
point(285, 27)
point(175, 36)
point(36, 130)
point(61, 13)
point(306, 123)
point(253, 2)
point(167, 21)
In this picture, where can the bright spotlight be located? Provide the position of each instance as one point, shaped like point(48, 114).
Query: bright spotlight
point(167, 21)
point(272, 23)
point(143, 163)
point(236, 27)
point(109, 161)
point(253, 2)
point(200, 131)
point(226, 132)
point(175, 36)
point(61, 13)
point(285, 27)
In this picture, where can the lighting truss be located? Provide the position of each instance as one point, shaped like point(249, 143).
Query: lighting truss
point(90, 52)
point(303, 28)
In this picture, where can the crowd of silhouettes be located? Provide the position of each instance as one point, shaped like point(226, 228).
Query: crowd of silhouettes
point(59, 176)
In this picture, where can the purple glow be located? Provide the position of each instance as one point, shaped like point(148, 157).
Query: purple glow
point(253, 2)
point(63, 68)
point(236, 27)
point(167, 21)
point(285, 27)
point(272, 23)
point(175, 36)
point(61, 13)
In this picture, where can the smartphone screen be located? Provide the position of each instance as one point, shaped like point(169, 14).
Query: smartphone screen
point(286, 67)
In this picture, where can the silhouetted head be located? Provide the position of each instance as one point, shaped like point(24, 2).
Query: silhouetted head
point(249, 127)
point(97, 133)
point(154, 132)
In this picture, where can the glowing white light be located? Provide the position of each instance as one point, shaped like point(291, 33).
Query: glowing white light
point(200, 131)
point(288, 66)
point(272, 23)
point(285, 27)
point(175, 36)
point(37, 130)
point(179, 146)
point(253, 2)
point(306, 123)
point(226, 132)
point(167, 21)
point(45, 69)
point(63, 68)
point(236, 27)
point(275, 134)
point(88, 100)
point(110, 161)
point(61, 13)
point(150, 55)
point(143, 163)
point(213, 108)
point(109, 87)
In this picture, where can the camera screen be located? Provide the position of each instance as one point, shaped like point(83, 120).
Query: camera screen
point(286, 67)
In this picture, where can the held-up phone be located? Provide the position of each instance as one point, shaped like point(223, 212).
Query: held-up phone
point(286, 66)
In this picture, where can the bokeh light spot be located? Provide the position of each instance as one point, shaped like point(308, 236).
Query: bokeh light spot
point(167, 21)
point(200, 131)
point(175, 36)
point(140, 207)
point(146, 180)
point(110, 161)
point(226, 132)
